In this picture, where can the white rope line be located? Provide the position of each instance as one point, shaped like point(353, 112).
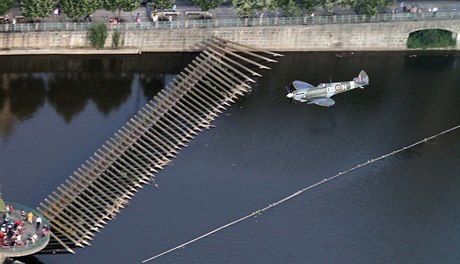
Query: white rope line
point(300, 192)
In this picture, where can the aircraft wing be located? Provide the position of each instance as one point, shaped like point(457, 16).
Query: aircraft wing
point(322, 101)
point(301, 85)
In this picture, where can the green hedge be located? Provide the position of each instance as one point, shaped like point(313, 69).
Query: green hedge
point(430, 38)
point(97, 35)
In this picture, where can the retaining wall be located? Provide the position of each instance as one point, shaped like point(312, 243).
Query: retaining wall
point(330, 37)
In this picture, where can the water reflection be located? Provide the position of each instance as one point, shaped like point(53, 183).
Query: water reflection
point(69, 93)
point(152, 84)
point(69, 83)
point(21, 102)
point(23, 94)
point(26, 94)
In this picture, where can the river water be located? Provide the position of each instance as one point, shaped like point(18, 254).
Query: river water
point(56, 111)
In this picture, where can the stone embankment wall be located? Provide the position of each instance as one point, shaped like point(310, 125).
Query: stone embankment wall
point(331, 37)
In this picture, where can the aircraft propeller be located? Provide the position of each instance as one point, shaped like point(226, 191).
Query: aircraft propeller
point(290, 94)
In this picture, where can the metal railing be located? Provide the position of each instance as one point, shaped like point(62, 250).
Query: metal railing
point(233, 22)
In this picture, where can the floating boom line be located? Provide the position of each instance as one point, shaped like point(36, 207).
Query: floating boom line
point(102, 186)
point(299, 192)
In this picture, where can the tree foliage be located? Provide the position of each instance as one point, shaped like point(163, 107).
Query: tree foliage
point(430, 38)
point(125, 5)
point(290, 7)
point(371, 7)
point(244, 8)
point(250, 7)
point(164, 4)
point(308, 5)
point(98, 34)
point(79, 8)
point(34, 9)
point(294, 7)
point(116, 39)
point(206, 5)
point(5, 6)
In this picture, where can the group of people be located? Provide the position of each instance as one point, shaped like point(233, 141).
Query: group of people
point(6, 20)
point(114, 21)
point(414, 9)
point(19, 228)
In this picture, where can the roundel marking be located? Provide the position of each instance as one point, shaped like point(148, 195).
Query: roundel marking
point(338, 87)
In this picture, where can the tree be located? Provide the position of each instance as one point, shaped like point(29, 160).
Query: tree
point(290, 7)
point(79, 8)
point(327, 5)
point(34, 9)
point(164, 4)
point(206, 5)
point(5, 6)
point(125, 5)
point(308, 5)
point(244, 8)
point(266, 5)
point(250, 7)
point(371, 7)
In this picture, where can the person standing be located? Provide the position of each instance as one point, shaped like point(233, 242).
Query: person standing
point(30, 217)
point(44, 231)
point(38, 222)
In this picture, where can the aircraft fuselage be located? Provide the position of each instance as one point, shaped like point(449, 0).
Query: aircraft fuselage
point(321, 94)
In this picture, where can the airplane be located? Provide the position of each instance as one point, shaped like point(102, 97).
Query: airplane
point(321, 94)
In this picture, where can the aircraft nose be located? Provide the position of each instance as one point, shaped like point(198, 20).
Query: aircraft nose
point(290, 95)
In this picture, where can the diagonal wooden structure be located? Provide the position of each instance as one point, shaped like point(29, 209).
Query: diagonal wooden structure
point(103, 185)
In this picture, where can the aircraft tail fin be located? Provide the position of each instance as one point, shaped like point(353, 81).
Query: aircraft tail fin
point(362, 79)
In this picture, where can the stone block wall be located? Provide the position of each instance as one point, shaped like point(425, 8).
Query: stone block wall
point(331, 37)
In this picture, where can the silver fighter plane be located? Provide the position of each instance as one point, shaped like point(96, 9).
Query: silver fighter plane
point(321, 94)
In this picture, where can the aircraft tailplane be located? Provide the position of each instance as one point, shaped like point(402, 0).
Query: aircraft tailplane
point(362, 79)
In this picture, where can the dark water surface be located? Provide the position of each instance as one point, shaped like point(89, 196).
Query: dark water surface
point(56, 111)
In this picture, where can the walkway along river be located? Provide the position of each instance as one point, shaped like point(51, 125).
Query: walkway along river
point(322, 33)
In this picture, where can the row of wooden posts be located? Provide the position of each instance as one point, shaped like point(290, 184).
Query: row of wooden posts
point(103, 185)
